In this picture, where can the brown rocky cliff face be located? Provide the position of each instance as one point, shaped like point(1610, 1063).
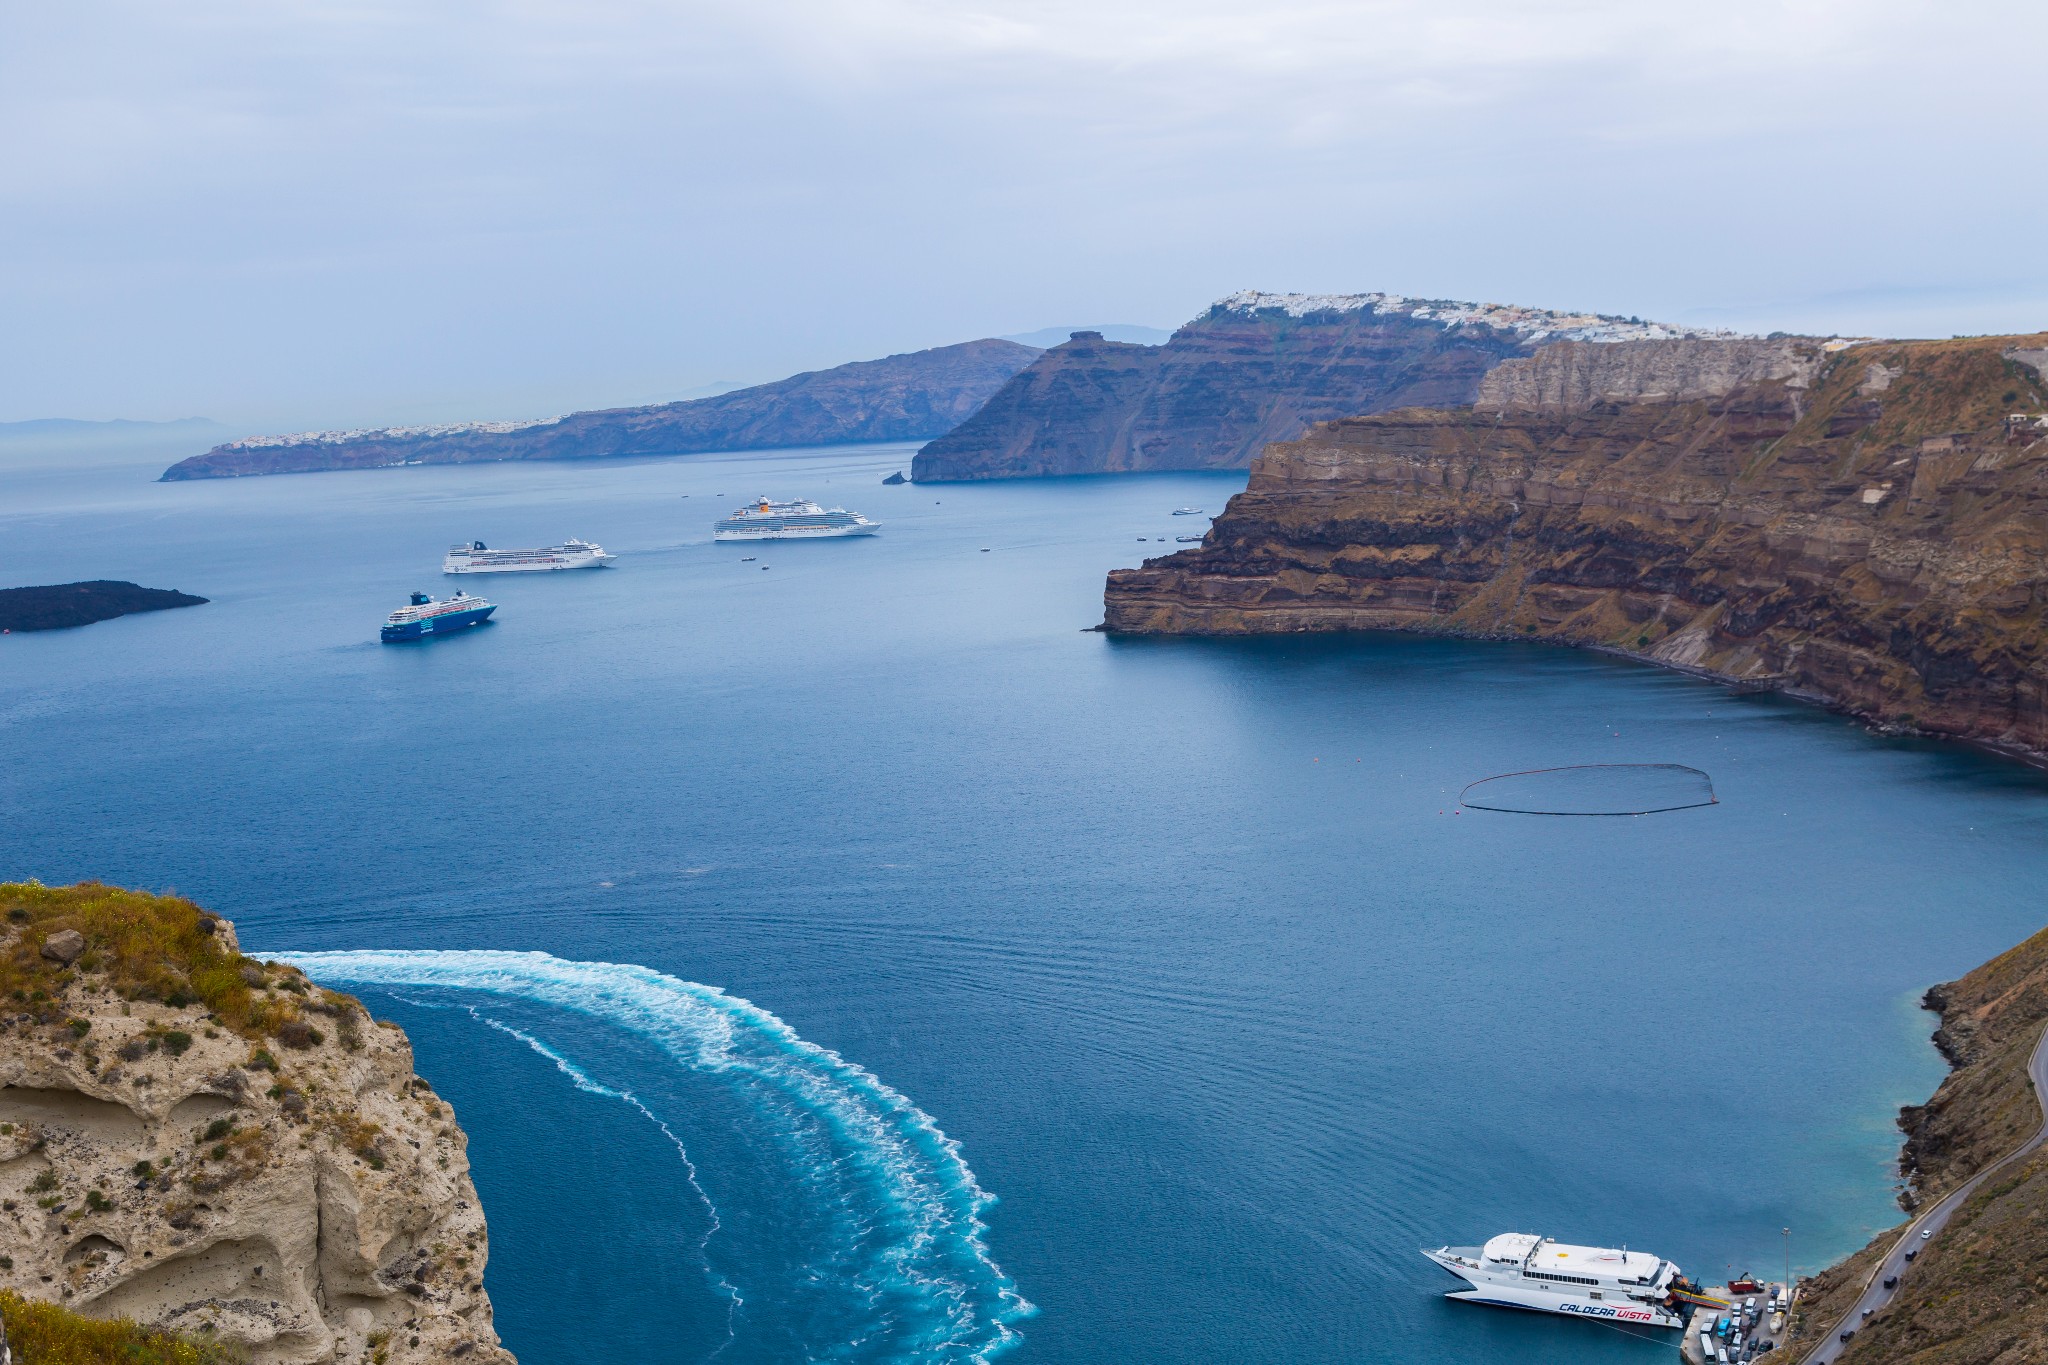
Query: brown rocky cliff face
point(1212, 397)
point(1872, 533)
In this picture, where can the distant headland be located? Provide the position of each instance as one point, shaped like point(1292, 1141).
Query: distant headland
point(898, 398)
point(62, 605)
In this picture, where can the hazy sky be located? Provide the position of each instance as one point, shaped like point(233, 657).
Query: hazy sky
point(301, 213)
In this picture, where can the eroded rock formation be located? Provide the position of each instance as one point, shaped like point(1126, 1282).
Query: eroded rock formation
point(1867, 525)
point(300, 1191)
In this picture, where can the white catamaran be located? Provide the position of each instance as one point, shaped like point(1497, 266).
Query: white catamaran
point(1522, 1270)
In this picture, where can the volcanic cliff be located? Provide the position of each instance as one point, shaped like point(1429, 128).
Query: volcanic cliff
point(900, 398)
point(1862, 524)
point(1254, 368)
point(214, 1146)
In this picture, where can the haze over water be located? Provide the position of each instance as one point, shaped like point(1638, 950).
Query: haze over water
point(1180, 942)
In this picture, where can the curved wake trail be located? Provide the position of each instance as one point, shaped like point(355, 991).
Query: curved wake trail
point(904, 1210)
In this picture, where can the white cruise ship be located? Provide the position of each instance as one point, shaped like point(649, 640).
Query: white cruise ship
point(1522, 1270)
point(477, 557)
point(799, 520)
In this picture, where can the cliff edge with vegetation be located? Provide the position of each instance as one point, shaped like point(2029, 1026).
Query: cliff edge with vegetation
point(1863, 525)
point(1978, 1292)
point(215, 1147)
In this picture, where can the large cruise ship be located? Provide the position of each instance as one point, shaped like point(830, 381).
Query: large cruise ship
point(477, 557)
point(799, 520)
point(1522, 1270)
point(423, 617)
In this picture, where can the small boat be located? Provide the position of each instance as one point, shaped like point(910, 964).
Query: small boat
point(423, 617)
point(1190, 540)
point(1187, 511)
point(748, 559)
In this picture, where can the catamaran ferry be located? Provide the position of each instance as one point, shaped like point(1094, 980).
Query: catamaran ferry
point(1522, 1270)
point(425, 617)
point(799, 520)
point(477, 557)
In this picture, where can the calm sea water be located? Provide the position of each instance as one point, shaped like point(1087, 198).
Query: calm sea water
point(978, 984)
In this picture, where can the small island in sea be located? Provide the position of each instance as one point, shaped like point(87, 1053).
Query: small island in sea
point(61, 605)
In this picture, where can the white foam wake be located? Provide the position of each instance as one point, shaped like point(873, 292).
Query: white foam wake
point(912, 1255)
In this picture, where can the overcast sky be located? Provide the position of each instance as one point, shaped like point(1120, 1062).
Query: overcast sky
point(332, 212)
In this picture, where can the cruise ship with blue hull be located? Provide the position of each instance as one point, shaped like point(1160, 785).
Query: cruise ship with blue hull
point(423, 618)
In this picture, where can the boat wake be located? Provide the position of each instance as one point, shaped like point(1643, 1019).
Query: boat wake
point(903, 1213)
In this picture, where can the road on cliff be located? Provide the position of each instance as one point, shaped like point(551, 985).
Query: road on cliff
point(1894, 1266)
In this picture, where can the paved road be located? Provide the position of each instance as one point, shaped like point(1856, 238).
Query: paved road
point(1875, 1295)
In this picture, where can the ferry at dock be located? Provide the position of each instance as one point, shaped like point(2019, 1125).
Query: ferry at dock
point(477, 557)
point(423, 617)
point(802, 519)
point(1522, 1270)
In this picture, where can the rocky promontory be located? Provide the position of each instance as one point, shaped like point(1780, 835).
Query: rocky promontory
point(1254, 368)
point(1863, 524)
point(214, 1146)
point(900, 398)
point(60, 606)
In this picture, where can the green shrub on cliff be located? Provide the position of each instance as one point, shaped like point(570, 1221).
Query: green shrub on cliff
point(145, 947)
point(45, 1334)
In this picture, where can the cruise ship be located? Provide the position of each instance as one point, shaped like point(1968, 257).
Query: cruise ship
point(424, 617)
point(799, 520)
point(477, 557)
point(1522, 1270)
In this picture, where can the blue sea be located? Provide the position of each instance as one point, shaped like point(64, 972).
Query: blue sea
point(849, 956)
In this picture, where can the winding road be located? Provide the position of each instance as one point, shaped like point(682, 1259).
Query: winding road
point(1875, 1295)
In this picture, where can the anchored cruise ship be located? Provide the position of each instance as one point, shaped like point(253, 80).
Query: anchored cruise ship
point(799, 520)
point(424, 617)
point(1522, 1270)
point(477, 557)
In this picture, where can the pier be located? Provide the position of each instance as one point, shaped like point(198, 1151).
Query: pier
point(1758, 1334)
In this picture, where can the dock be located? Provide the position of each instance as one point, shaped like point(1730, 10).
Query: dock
point(1758, 1339)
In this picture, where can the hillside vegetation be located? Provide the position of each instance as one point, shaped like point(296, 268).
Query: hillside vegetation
point(47, 1334)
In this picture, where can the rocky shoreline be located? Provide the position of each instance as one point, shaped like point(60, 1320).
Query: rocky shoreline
point(1978, 1293)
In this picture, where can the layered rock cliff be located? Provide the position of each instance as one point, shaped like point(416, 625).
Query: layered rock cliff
point(1254, 368)
point(1866, 525)
point(214, 1146)
point(900, 398)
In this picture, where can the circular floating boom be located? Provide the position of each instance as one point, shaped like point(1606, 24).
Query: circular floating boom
point(1593, 789)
